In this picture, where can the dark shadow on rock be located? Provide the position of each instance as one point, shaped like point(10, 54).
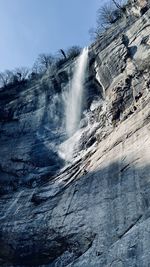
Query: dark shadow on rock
point(39, 240)
point(132, 51)
point(39, 162)
point(41, 156)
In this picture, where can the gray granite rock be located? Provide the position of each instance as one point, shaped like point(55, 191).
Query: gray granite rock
point(94, 212)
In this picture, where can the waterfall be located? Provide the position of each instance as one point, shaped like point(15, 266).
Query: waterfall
point(75, 96)
point(73, 105)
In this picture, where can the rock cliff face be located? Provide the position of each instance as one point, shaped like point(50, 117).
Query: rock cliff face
point(95, 211)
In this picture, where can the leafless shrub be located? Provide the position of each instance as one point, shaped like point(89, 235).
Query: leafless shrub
point(6, 77)
point(109, 13)
point(43, 62)
point(73, 52)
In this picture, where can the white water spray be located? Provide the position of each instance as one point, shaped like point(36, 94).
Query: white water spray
point(74, 103)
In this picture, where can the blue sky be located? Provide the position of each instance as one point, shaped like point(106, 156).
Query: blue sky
point(31, 27)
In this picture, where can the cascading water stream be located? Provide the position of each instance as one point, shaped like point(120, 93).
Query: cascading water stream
point(75, 96)
point(73, 103)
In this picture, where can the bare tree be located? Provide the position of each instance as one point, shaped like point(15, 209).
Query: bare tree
point(73, 52)
point(63, 56)
point(43, 62)
point(6, 77)
point(118, 4)
point(13, 77)
point(121, 6)
point(3, 82)
point(22, 73)
point(46, 60)
point(106, 15)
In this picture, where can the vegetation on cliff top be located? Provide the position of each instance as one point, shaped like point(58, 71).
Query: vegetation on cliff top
point(108, 14)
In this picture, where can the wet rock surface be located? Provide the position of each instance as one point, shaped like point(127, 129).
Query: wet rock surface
point(94, 212)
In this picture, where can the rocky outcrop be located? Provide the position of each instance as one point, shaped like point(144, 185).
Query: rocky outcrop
point(96, 210)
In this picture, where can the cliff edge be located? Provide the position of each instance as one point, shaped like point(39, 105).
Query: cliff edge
point(94, 211)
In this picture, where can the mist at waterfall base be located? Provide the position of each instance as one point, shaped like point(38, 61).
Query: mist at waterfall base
point(73, 106)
